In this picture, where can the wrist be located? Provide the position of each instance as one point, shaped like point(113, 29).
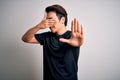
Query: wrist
point(38, 26)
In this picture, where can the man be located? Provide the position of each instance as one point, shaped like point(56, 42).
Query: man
point(60, 46)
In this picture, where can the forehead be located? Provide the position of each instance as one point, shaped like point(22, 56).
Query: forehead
point(51, 14)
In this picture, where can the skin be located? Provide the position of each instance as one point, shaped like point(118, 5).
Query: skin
point(56, 26)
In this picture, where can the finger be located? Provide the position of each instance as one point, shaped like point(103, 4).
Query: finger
point(72, 26)
point(75, 25)
point(49, 25)
point(78, 27)
point(44, 18)
point(50, 22)
point(64, 40)
point(81, 29)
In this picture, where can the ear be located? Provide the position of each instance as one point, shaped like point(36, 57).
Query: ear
point(62, 20)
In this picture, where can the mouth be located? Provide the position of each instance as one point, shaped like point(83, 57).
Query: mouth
point(52, 29)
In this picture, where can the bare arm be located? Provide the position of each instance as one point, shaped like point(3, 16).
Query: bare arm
point(29, 37)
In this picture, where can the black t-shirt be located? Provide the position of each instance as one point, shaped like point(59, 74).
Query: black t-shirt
point(59, 59)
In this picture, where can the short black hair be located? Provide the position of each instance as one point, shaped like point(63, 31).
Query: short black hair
point(59, 10)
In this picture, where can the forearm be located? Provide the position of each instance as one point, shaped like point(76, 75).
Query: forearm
point(30, 34)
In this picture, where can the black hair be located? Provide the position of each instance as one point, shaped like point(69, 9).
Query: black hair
point(59, 10)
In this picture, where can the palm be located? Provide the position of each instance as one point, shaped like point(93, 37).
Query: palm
point(76, 38)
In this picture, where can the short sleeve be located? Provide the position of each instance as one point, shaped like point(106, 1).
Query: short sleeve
point(40, 38)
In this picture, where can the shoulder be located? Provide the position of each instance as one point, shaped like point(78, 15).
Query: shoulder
point(44, 34)
point(69, 32)
point(66, 35)
point(42, 37)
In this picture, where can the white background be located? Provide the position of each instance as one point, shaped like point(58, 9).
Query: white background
point(99, 56)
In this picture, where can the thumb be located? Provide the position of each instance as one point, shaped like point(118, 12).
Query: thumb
point(64, 40)
point(44, 16)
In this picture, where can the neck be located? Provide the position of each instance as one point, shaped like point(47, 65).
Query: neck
point(62, 30)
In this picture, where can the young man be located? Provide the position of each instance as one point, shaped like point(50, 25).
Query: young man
point(60, 46)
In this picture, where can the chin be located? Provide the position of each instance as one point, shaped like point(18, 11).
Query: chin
point(52, 30)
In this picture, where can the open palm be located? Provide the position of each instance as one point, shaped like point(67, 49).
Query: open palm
point(77, 36)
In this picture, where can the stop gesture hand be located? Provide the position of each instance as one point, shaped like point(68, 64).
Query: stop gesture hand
point(77, 36)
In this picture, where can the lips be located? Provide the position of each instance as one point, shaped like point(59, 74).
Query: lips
point(52, 29)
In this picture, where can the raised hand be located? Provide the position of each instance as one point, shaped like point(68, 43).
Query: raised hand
point(77, 36)
point(46, 23)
